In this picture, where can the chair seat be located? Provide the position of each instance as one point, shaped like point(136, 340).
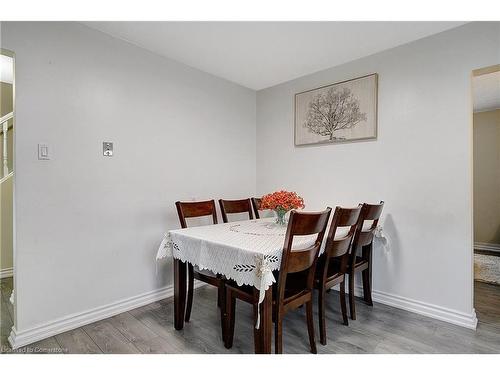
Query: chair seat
point(334, 276)
point(206, 273)
point(246, 289)
point(207, 276)
point(292, 290)
point(360, 264)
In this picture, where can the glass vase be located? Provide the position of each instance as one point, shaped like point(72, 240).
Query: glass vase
point(281, 217)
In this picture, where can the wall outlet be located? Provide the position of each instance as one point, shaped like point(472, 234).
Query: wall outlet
point(43, 151)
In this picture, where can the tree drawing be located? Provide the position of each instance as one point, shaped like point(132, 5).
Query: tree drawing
point(333, 111)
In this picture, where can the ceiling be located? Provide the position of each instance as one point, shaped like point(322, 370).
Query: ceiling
point(262, 54)
point(486, 92)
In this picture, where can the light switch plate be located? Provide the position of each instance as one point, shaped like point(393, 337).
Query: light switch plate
point(107, 148)
point(43, 151)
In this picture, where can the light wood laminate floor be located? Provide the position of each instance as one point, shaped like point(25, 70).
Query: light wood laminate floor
point(378, 329)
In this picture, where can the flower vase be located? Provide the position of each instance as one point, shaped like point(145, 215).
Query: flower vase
point(281, 217)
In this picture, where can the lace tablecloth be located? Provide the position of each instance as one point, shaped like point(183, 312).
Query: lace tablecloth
point(245, 251)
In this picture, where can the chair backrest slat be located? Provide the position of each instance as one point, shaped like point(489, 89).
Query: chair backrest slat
point(195, 209)
point(235, 207)
point(301, 260)
point(256, 206)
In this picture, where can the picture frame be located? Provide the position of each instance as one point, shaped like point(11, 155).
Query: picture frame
point(341, 112)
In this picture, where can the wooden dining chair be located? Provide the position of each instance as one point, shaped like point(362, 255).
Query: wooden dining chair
point(289, 292)
point(256, 206)
point(332, 264)
point(235, 207)
point(187, 210)
point(363, 239)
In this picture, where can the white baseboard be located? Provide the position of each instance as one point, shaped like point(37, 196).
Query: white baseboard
point(424, 308)
point(69, 322)
point(487, 246)
point(6, 272)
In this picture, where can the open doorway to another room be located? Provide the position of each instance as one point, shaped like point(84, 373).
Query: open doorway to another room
point(6, 194)
point(486, 167)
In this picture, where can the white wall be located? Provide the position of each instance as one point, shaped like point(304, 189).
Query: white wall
point(420, 164)
point(88, 226)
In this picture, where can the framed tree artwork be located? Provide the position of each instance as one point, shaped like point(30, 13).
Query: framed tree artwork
point(342, 112)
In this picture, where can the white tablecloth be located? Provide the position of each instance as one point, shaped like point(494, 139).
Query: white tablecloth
point(245, 251)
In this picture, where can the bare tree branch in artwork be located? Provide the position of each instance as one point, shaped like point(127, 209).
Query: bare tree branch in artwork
point(332, 111)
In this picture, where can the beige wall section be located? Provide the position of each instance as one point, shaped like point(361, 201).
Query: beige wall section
point(6, 229)
point(487, 177)
point(6, 98)
point(6, 106)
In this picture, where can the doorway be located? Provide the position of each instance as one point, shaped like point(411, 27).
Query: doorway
point(486, 196)
point(6, 195)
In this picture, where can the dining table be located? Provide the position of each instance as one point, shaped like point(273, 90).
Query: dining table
point(246, 252)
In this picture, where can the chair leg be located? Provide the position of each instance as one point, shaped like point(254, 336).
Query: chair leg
point(310, 326)
point(322, 319)
point(220, 302)
point(256, 335)
point(189, 302)
point(278, 333)
point(343, 304)
point(352, 307)
point(229, 318)
point(367, 288)
point(222, 292)
point(367, 274)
